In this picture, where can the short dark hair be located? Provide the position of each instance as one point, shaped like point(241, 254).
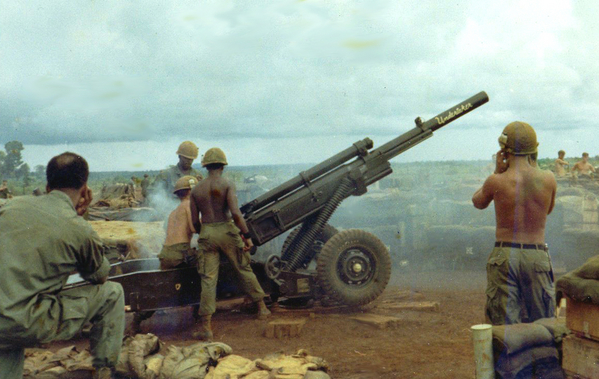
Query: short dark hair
point(561, 152)
point(214, 166)
point(67, 170)
point(585, 154)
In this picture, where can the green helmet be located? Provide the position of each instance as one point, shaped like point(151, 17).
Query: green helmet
point(519, 138)
point(214, 155)
point(185, 182)
point(188, 150)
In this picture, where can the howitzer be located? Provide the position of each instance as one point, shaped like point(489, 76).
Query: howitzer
point(353, 266)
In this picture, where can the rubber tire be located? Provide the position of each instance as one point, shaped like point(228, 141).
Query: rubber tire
point(327, 232)
point(334, 286)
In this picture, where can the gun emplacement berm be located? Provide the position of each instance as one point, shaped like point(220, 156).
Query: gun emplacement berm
point(352, 264)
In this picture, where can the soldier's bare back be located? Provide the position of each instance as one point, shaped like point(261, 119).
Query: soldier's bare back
point(180, 227)
point(213, 198)
point(524, 195)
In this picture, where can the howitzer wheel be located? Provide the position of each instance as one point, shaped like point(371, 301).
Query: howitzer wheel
point(354, 267)
point(327, 232)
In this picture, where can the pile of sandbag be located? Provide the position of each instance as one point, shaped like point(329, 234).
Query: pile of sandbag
point(581, 284)
point(143, 357)
point(527, 351)
point(116, 196)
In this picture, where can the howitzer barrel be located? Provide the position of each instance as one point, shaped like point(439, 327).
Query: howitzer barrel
point(425, 130)
point(358, 148)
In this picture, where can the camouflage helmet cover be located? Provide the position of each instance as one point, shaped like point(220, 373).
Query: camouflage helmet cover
point(518, 138)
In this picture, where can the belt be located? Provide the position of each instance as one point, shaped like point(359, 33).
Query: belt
point(521, 245)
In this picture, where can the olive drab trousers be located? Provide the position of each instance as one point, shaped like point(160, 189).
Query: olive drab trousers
point(102, 304)
point(223, 237)
point(520, 286)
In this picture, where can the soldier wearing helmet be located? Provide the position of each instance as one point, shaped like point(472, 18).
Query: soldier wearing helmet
point(560, 164)
point(520, 284)
point(583, 167)
point(166, 180)
point(223, 231)
point(176, 251)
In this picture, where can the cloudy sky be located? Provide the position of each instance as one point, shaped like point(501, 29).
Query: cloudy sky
point(124, 82)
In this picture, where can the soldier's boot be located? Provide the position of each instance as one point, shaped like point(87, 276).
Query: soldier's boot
point(203, 328)
point(103, 373)
point(263, 312)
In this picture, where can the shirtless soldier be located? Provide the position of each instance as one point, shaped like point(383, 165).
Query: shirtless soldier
point(560, 164)
point(176, 251)
point(519, 275)
point(583, 167)
point(223, 230)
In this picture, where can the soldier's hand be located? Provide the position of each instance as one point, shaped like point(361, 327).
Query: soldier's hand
point(84, 201)
point(248, 244)
point(501, 164)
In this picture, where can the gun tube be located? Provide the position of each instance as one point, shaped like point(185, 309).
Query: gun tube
point(411, 138)
point(358, 148)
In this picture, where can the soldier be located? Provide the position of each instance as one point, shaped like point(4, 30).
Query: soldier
point(144, 186)
point(560, 164)
point(132, 184)
point(4, 191)
point(584, 167)
point(223, 230)
point(519, 274)
point(166, 180)
point(43, 241)
point(176, 251)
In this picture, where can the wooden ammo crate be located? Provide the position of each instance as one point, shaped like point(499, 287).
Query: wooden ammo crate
point(581, 357)
point(583, 318)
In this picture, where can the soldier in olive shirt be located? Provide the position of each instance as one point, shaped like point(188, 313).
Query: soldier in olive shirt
point(166, 180)
point(43, 241)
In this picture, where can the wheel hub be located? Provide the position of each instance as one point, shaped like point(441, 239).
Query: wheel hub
point(355, 267)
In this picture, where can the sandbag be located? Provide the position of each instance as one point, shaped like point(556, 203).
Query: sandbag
point(510, 339)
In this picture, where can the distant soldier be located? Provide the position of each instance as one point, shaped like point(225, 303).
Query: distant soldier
point(583, 167)
point(560, 164)
point(519, 275)
point(132, 185)
point(166, 180)
point(145, 183)
point(223, 231)
point(4, 191)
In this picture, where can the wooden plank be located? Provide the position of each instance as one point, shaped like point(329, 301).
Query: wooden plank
point(403, 295)
point(582, 318)
point(378, 321)
point(580, 356)
point(284, 328)
point(426, 306)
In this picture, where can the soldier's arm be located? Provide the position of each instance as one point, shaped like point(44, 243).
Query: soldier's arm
point(483, 197)
point(195, 212)
point(234, 208)
point(190, 219)
point(91, 262)
point(553, 186)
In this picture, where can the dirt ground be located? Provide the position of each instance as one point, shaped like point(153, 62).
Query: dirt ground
point(424, 345)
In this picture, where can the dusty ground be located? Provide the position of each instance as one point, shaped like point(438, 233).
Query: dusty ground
point(425, 345)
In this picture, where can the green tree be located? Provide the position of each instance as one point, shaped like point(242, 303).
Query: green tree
point(39, 170)
point(22, 171)
point(13, 158)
